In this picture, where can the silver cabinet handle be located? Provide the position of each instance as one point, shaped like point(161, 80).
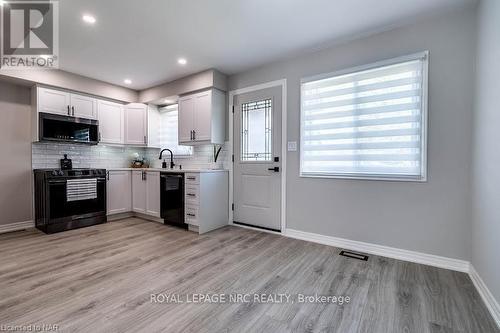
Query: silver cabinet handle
point(191, 194)
point(194, 135)
point(73, 110)
point(69, 113)
point(188, 214)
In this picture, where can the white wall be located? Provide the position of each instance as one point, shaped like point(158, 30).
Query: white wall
point(486, 175)
point(15, 154)
point(432, 217)
point(70, 81)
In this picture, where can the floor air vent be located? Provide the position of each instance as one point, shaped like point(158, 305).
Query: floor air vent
point(354, 255)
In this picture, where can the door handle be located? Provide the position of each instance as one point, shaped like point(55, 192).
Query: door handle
point(73, 110)
point(69, 113)
point(275, 169)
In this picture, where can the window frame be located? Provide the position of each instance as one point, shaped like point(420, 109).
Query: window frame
point(425, 120)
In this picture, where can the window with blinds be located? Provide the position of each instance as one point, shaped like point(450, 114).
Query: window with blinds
point(169, 131)
point(366, 122)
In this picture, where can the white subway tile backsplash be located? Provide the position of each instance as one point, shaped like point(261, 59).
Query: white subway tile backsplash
point(47, 155)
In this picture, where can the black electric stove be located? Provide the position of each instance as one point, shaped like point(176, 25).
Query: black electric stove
point(69, 199)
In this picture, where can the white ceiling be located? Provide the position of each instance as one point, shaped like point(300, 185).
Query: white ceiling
point(142, 40)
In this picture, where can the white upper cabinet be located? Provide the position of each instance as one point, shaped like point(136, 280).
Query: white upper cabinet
point(111, 122)
point(66, 103)
point(136, 124)
point(53, 101)
point(154, 126)
point(186, 118)
point(83, 106)
point(201, 118)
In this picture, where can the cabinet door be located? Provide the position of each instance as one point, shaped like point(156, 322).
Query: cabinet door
point(53, 101)
point(153, 193)
point(111, 127)
point(83, 106)
point(136, 124)
point(202, 116)
point(154, 126)
point(186, 118)
point(119, 192)
point(138, 192)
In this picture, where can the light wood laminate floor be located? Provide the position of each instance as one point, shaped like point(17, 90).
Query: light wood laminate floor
point(100, 279)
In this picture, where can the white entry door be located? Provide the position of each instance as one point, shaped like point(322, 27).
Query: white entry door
point(257, 158)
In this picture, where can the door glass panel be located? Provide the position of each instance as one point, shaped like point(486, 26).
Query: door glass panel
point(256, 131)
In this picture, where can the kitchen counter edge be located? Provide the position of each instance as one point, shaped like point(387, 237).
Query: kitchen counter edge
point(169, 170)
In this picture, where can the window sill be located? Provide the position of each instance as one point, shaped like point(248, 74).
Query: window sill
point(368, 178)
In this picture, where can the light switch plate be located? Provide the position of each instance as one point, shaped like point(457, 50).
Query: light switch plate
point(292, 145)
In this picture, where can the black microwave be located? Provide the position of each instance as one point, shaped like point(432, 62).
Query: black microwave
point(58, 128)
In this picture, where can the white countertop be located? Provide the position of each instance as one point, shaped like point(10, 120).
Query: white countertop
point(168, 170)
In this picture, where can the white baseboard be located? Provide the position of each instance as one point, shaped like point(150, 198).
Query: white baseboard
point(119, 216)
point(380, 250)
point(16, 226)
point(486, 295)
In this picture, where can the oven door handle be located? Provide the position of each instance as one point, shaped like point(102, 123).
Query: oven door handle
point(56, 182)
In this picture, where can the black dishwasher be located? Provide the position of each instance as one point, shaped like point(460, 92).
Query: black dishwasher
point(172, 199)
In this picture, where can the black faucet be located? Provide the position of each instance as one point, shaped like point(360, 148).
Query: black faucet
point(164, 164)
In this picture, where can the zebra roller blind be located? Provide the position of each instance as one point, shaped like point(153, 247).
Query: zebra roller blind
point(368, 122)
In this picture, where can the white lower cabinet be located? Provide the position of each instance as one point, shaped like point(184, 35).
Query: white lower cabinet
point(153, 193)
point(119, 195)
point(146, 192)
point(206, 200)
point(138, 192)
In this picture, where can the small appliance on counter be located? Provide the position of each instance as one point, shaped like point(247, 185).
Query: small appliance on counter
point(69, 199)
point(66, 163)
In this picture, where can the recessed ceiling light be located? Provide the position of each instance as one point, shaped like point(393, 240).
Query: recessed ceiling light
point(127, 81)
point(89, 19)
point(182, 61)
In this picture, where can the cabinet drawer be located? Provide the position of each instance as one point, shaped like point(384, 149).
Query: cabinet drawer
point(191, 215)
point(192, 178)
point(192, 194)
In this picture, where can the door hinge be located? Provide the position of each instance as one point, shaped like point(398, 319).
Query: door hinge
point(232, 207)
